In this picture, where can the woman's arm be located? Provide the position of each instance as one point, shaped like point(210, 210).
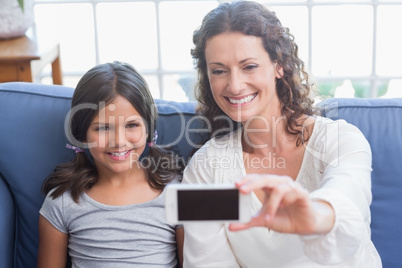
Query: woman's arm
point(52, 246)
point(337, 211)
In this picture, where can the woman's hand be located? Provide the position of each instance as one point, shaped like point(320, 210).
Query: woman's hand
point(287, 207)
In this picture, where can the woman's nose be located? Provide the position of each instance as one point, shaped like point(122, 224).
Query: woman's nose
point(236, 83)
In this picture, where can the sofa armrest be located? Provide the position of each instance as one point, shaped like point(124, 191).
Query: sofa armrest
point(380, 120)
point(6, 225)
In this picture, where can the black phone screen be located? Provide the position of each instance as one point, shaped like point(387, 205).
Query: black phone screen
point(215, 204)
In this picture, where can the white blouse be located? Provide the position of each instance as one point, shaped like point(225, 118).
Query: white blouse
point(336, 168)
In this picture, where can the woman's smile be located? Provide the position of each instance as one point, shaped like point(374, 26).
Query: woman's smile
point(242, 100)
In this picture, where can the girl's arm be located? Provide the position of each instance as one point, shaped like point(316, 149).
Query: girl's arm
point(52, 246)
point(179, 242)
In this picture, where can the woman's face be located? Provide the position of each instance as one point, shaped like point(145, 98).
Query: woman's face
point(117, 137)
point(242, 76)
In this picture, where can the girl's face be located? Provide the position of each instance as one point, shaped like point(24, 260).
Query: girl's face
point(242, 76)
point(117, 137)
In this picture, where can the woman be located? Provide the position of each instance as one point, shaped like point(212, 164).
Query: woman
point(309, 177)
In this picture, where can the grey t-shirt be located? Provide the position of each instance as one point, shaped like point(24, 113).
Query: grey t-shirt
point(113, 236)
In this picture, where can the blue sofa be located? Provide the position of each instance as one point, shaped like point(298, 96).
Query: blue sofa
point(32, 143)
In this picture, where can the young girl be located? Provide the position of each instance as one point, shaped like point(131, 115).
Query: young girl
point(106, 206)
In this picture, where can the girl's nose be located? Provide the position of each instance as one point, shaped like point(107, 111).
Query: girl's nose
point(120, 137)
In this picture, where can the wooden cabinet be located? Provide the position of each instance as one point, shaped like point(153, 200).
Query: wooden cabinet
point(23, 58)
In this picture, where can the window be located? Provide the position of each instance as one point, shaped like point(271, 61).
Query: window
point(350, 47)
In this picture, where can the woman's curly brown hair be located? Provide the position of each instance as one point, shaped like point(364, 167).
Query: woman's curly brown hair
point(251, 18)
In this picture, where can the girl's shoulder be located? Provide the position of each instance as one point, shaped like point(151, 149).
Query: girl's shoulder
point(64, 199)
point(65, 194)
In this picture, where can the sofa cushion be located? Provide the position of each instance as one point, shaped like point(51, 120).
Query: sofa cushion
point(380, 120)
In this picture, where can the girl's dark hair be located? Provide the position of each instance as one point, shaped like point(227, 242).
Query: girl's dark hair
point(100, 86)
point(252, 18)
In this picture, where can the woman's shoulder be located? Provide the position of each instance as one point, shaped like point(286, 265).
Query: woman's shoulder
point(331, 133)
point(216, 144)
point(327, 126)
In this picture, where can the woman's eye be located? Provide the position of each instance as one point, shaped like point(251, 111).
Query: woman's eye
point(251, 67)
point(218, 72)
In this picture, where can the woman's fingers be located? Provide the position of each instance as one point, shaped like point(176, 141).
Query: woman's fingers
point(277, 190)
point(259, 220)
point(245, 180)
point(281, 193)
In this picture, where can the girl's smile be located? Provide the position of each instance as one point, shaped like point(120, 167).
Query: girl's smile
point(117, 156)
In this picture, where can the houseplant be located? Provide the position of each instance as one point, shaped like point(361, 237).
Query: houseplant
point(16, 16)
point(21, 4)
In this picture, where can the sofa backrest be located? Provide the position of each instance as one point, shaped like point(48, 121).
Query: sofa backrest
point(33, 142)
point(380, 120)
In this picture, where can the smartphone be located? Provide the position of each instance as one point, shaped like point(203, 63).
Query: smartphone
point(206, 202)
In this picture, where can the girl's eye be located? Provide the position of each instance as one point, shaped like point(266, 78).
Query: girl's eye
point(103, 128)
point(132, 125)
